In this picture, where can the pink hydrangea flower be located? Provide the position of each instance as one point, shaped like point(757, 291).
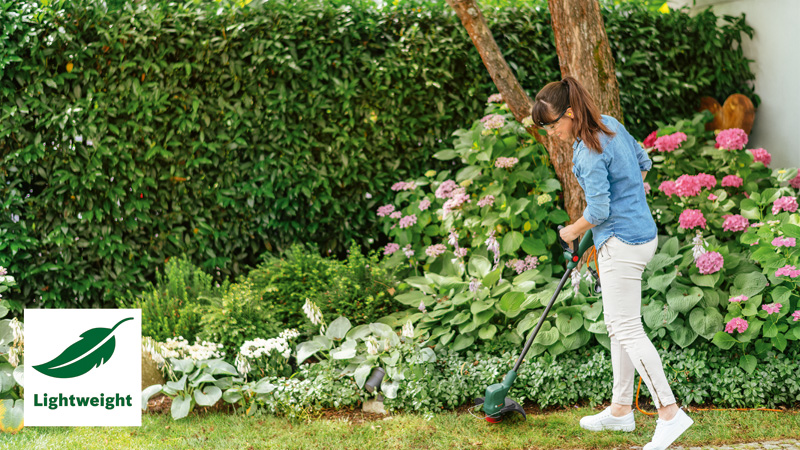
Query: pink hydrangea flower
point(505, 163)
point(691, 218)
point(521, 265)
point(493, 121)
point(738, 299)
point(459, 197)
point(707, 181)
point(647, 187)
point(732, 181)
point(385, 210)
point(796, 315)
point(784, 204)
point(735, 222)
point(712, 197)
point(709, 262)
point(761, 155)
point(396, 215)
point(390, 248)
point(408, 221)
point(670, 142)
point(486, 201)
point(787, 270)
point(795, 182)
point(784, 242)
point(650, 140)
point(687, 186)
point(461, 252)
point(435, 250)
point(771, 308)
point(403, 186)
point(668, 188)
point(732, 139)
point(737, 324)
point(446, 189)
point(495, 98)
point(424, 204)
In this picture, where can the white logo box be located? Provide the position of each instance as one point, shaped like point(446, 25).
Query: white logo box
point(106, 395)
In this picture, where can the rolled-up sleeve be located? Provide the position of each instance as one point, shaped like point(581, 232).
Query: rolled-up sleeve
point(596, 188)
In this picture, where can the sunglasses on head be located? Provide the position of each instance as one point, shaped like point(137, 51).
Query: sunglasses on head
point(550, 124)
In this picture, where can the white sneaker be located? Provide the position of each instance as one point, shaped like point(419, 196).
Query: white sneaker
point(605, 421)
point(667, 431)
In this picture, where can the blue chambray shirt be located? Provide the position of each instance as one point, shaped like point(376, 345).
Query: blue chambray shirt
point(612, 182)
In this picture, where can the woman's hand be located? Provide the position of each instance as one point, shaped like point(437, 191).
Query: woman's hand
point(569, 234)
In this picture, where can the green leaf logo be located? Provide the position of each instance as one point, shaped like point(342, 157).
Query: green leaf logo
point(95, 348)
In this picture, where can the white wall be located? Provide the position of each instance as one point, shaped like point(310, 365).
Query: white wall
point(775, 51)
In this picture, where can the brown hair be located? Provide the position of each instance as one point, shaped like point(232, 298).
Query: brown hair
point(557, 96)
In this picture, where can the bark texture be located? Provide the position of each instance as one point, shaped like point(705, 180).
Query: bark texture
point(583, 53)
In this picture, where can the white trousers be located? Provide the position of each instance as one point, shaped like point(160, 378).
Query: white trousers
point(621, 267)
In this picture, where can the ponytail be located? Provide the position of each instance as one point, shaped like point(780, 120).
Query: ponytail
point(557, 96)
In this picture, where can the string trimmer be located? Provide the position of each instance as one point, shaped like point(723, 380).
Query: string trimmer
point(495, 404)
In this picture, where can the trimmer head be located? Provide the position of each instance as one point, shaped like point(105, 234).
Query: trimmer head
point(509, 406)
point(496, 405)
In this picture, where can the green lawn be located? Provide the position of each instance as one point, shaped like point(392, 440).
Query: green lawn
point(403, 431)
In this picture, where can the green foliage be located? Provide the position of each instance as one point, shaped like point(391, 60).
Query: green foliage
point(193, 383)
point(700, 375)
point(359, 287)
point(141, 130)
point(238, 316)
point(169, 308)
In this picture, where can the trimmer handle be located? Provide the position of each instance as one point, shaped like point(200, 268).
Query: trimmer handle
point(573, 255)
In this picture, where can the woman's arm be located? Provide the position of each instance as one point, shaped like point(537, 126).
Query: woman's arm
point(574, 231)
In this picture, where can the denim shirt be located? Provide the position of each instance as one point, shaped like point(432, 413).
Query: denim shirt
point(612, 182)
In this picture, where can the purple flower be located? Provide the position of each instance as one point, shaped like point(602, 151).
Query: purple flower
point(408, 221)
point(459, 197)
point(421, 306)
point(396, 215)
point(390, 248)
point(709, 263)
point(435, 250)
point(424, 204)
point(474, 285)
point(403, 186)
point(505, 163)
point(486, 201)
point(385, 210)
point(445, 190)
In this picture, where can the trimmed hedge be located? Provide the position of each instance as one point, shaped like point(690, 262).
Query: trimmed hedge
point(220, 132)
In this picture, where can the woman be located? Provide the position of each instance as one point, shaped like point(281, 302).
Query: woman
point(610, 166)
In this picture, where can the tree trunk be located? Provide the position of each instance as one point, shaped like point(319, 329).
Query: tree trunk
point(583, 52)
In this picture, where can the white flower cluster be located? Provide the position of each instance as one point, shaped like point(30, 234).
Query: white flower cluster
point(153, 348)
point(179, 348)
point(699, 245)
point(15, 352)
point(314, 314)
point(261, 347)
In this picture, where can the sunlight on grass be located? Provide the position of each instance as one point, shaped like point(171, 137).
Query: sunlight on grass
point(403, 431)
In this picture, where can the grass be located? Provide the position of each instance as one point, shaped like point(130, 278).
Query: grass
point(553, 430)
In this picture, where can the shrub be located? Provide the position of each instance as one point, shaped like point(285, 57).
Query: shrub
point(359, 287)
point(238, 316)
point(169, 307)
point(125, 142)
